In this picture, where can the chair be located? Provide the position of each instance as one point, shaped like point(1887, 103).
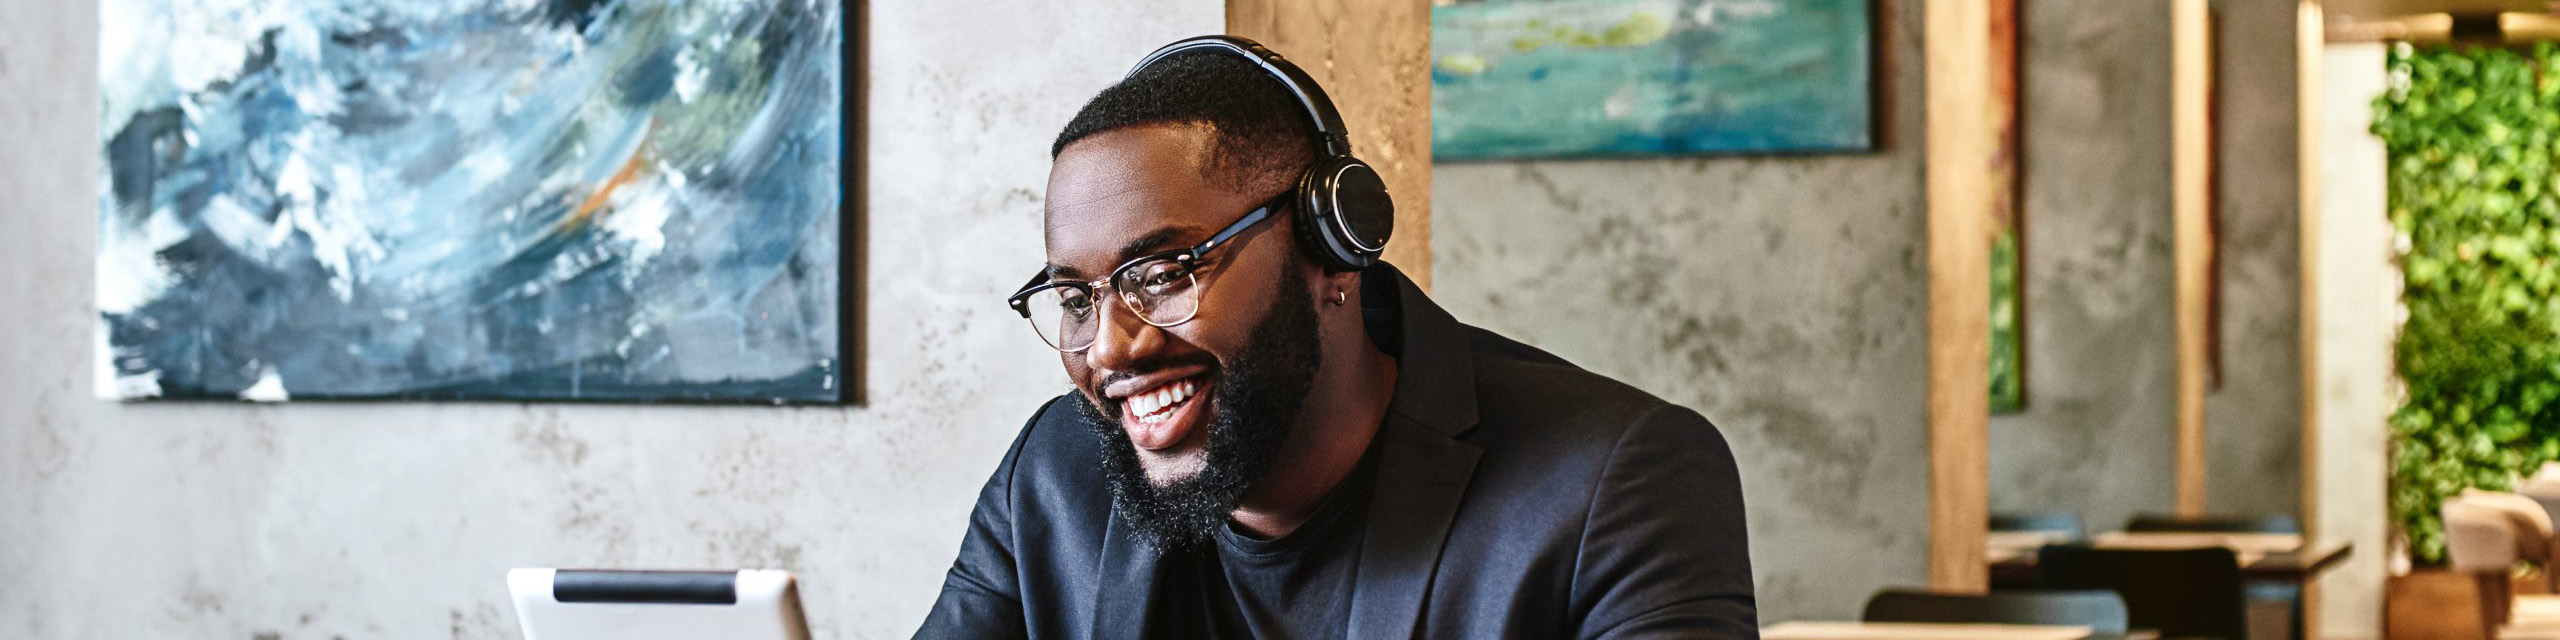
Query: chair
point(2544, 489)
point(2532, 521)
point(2059, 523)
point(2283, 595)
point(2023, 532)
point(2255, 523)
point(2481, 540)
point(2531, 526)
point(2182, 593)
point(2100, 611)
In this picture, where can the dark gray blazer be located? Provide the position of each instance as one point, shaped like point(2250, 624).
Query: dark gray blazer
point(1517, 496)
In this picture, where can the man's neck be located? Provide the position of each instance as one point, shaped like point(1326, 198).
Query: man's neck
point(1342, 416)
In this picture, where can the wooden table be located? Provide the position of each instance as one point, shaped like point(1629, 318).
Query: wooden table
point(1933, 631)
point(2264, 557)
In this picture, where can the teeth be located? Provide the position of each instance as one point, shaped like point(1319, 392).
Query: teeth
point(1157, 400)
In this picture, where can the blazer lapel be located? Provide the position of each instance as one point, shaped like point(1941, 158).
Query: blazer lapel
point(1423, 468)
point(1126, 591)
point(1422, 475)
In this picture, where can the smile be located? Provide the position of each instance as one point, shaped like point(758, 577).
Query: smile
point(1158, 417)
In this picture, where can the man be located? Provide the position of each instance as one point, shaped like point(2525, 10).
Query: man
point(1269, 440)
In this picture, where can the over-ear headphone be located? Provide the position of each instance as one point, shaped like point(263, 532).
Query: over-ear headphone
point(1343, 213)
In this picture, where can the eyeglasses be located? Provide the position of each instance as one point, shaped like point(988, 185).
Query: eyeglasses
point(1163, 289)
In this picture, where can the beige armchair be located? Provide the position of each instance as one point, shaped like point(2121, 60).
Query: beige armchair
point(2481, 541)
point(2544, 488)
point(2532, 523)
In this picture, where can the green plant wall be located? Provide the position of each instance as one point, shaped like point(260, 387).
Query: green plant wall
point(2473, 135)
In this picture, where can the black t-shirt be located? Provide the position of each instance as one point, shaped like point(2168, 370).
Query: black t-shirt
point(1297, 586)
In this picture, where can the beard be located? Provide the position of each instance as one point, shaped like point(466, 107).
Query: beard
point(1255, 403)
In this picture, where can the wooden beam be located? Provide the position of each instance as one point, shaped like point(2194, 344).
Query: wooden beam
point(1374, 58)
point(2438, 27)
point(1961, 144)
point(2309, 41)
point(2190, 179)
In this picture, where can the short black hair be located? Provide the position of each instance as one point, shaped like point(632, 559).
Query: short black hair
point(1265, 137)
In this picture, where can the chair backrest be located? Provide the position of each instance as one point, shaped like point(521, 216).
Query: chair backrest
point(2254, 523)
point(2545, 490)
point(2062, 523)
point(2182, 593)
point(2531, 519)
point(2479, 537)
point(2100, 610)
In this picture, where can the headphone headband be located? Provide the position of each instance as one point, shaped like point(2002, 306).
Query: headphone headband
point(1328, 121)
point(1343, 215)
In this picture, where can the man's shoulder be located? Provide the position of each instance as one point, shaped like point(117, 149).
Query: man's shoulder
point(1055, 440)
point(1521, 386)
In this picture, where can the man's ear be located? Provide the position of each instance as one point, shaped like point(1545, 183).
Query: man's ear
point(1343, 287)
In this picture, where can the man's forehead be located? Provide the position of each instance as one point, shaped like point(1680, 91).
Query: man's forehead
point(1130, 162)
point(1126, 192)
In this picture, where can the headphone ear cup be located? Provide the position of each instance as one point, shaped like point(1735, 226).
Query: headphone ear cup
point(1344, 215)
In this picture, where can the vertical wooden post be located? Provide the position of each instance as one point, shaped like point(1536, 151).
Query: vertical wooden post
point(2190, 179)
point(1961, 147)
point(1374, 58)
point(2309, 40)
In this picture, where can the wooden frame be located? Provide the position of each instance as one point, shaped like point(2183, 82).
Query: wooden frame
point(1961, 143)
point(2191, 185)
point(2309, 48)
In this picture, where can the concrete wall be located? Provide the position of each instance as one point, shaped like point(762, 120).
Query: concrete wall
point(399, 520)
point(1785, 297)
point(2097, 436)
point(2254, 416)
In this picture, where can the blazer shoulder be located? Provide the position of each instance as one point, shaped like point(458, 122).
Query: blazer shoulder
point(1516, 382)
point(1055, 442)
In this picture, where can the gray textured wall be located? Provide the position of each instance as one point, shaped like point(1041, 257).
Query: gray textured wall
point(399, 520)
point(2256, 415)
point(1785, 297)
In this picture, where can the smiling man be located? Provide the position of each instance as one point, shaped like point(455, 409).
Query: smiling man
point(1274, 435)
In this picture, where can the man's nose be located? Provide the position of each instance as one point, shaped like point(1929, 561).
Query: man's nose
point(1123, 339)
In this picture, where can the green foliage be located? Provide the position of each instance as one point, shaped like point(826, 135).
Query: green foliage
point(2473, 137)
point(2008, 370)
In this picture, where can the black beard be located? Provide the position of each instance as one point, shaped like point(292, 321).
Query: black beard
point(1256, 400)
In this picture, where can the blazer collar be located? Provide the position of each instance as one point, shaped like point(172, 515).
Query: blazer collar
point(1435, 371)
point(1423, 468)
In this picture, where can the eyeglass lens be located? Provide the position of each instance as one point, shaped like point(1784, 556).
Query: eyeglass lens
point(1161, 292)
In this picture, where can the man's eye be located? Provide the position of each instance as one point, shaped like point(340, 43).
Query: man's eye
point(1165, 278)
point(1080, 306)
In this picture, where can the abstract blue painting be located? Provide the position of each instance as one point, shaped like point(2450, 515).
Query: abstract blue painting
point(1544, 78)
point(592, 200)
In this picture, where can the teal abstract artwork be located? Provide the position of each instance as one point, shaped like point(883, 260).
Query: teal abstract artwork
point(1557, 78)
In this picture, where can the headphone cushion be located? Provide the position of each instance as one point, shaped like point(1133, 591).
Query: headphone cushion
point(1345, 216)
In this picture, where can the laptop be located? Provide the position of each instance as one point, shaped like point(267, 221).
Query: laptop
point(580, 604)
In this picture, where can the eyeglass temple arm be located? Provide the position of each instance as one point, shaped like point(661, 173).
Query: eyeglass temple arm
point(1015, 301)
point(1250, 218)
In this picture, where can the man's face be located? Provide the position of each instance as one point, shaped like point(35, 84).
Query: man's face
point(1190, 415)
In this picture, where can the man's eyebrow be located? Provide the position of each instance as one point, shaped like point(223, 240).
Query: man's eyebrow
point(1152, 242)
